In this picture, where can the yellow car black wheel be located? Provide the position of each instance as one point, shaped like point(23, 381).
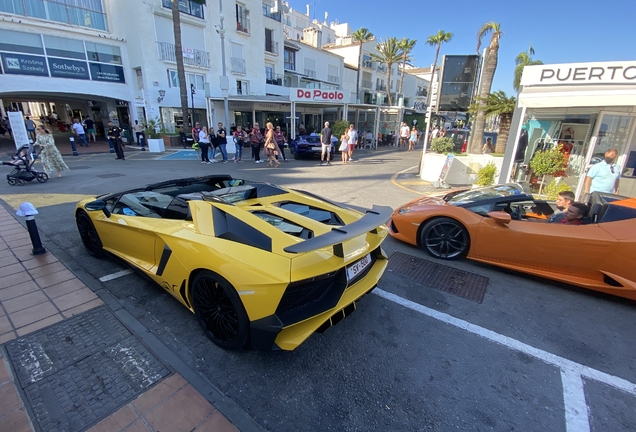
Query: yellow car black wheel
point(89, 235)
point(219, 311)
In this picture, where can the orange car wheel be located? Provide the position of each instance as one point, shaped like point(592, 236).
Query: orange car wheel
point(444, 238)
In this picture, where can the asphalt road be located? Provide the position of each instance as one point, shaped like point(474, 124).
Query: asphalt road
point(533, 356)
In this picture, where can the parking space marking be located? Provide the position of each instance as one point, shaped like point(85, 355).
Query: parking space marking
point(576, 411)
point(115, 275)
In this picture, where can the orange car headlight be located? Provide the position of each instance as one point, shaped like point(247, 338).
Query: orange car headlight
point(405, 210)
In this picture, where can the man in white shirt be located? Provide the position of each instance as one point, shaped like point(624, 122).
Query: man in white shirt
point(404, 135)
point(79, 132)
point(435, 133)
point(352, 136)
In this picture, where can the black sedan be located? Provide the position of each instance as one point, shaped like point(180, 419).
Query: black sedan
point(307, 146)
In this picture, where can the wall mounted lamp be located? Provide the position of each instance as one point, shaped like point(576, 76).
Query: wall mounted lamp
point(162, 93)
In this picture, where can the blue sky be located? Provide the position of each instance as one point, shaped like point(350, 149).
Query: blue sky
point(561, 31)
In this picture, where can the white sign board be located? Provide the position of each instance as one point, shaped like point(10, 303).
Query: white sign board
point(317, 95)
point(580, 74)
point(18, 128)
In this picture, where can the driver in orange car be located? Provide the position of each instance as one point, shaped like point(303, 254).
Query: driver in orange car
point(574, 214)
point(563, 201)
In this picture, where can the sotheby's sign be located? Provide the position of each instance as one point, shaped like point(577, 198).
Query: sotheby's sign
point(318, 95)
point(580, 73)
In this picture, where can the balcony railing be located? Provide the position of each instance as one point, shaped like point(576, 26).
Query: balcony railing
point(310, 73)
point(191, 57)
point(271, 47)
point(238, 65)
point(274, 79)
point(242, 24)
point(369, 64)
point(380, 87)
point(290, 66)
point(382, 68)
point(333, 78)
point(421, 93)
point(367, 84)
point(267, 11)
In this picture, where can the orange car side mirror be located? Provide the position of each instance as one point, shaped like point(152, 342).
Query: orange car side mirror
point(500, 216)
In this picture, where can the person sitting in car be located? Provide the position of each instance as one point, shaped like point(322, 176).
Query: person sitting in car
point(574, 214)
point(563, 201)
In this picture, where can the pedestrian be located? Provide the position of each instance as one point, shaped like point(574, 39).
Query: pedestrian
point(240, 137)
point(30, 127)
point(213, 144)
point(325, 140)
point(256, 137)
point(139, 133)
point(281, 140)
point(90, 129)
point(435, 133)
point(352, 136)
point(413, 139)
point(195, 137)
point(605, 175)
point(404, 135)
point(50, 156)
point(114, 140)
point(488, 147)
point(204, 145)
point(79, 132)
point(270, 145)
point(344, 147)
point(221, 141)
point(7, 125)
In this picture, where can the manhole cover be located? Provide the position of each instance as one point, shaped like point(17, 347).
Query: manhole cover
point(461, 283)
point(78, 371)
point(111, 175)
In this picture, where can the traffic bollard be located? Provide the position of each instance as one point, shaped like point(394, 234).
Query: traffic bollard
point(28, 211)
point(73, 146)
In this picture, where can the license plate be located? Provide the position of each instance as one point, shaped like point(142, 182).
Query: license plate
point(358, 267)
point(316, 148)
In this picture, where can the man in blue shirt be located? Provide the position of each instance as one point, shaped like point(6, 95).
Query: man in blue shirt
point(604, 176)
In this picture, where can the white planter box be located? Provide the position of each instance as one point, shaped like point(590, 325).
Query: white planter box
point(463, 170)
point(156, 145)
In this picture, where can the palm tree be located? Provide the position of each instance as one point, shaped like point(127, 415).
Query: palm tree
point(436, 40)
point(406, 45)
point(498, 104)
point(488, 73)
point(361, 36)
point(523, 59)
point(389, 53)
point(178, 51)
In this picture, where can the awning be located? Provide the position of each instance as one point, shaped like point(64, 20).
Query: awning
point(577, 96)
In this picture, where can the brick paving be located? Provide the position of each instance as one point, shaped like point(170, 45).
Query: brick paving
point(39, 296)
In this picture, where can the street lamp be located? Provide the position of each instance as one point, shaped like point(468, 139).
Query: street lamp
point(193, 91)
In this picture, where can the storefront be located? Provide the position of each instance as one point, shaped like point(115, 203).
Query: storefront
point(586, 109)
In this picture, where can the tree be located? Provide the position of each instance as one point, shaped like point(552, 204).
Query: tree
point(406, 45)
point(389, 53)
point(436, 40)
point(492, 54)
point(523, 59)
point(178, 51)
point(361, 36)
point(498, 104)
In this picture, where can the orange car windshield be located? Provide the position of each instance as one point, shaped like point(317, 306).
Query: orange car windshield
point(485, 193)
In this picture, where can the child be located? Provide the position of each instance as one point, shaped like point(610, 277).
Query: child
point(344, 147)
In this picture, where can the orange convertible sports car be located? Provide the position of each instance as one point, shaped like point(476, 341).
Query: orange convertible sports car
point(503, 225)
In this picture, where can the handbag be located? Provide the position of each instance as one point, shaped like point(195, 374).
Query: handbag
point(270, 145)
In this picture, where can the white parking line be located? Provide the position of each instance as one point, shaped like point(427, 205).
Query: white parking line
point(576, 412)
point(115, 275)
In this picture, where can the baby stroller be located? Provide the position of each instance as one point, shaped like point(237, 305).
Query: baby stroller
point(22, 164)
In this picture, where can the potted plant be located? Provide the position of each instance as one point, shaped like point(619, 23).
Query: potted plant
point(548, 162)
point(486, 175)
point(155, 142)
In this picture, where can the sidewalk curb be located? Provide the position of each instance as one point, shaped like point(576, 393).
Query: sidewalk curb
point(226, 406)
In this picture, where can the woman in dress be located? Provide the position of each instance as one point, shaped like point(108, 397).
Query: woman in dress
point(270, 145)
point(412, 139)
point(50, 155)
point(488, 147)
point(344, 147)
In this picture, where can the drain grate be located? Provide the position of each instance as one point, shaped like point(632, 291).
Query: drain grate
point(112, 175)
point(461, 283)
point(76, 372)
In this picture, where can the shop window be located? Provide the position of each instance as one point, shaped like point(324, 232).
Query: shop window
point(187, 7)
point(62, 47)
point(103, 53)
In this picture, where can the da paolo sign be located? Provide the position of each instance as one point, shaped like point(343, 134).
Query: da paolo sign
point(317, 95)
point(580, 73)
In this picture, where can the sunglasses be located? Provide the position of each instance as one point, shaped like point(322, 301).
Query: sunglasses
point(612, 168)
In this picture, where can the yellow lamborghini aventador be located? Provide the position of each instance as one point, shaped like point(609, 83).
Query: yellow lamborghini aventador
point(260, 266)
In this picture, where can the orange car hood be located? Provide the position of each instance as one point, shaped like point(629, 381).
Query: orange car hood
point(425, 203)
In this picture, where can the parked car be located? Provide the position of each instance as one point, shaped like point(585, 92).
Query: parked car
point(258, 264)
point(306, 146)
point(461, 137)
point(504, 225)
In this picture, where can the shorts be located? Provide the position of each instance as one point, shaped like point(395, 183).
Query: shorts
point(90, 131)
point(351, 146)
point(31, 130)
